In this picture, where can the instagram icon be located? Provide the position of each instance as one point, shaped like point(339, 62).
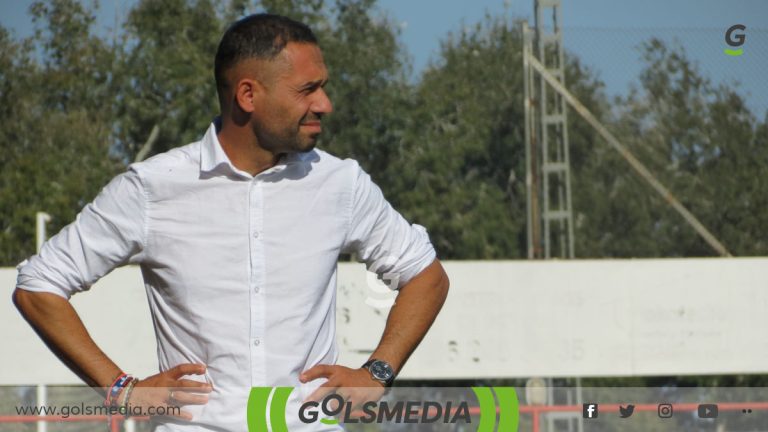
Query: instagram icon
point(665, 410)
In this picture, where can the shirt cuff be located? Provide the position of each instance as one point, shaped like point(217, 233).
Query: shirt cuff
point(28, 282)
point(422, 258)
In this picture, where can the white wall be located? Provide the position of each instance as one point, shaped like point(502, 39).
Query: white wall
point(116, 313)
point(502, 319)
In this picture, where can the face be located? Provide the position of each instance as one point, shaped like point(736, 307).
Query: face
point(287, 116)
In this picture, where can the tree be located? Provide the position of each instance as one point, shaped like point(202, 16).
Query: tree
point(702, 142)
point(463, 141)
point(462, 172)
point(167, 75)
point(447, 151)
point(55, 140)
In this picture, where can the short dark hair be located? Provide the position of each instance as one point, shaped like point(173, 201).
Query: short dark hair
point(259, 36)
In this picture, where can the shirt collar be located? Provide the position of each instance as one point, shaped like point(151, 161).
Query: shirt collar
point(214, 161)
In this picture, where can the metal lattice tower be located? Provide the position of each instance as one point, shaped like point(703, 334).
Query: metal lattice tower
point(548, 175)
point(550, 217)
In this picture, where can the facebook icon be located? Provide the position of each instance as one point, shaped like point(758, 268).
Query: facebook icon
point(590, 410)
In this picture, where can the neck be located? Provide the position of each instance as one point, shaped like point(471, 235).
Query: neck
point(243, 149)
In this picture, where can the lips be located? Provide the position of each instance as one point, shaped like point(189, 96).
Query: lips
point(316, 126)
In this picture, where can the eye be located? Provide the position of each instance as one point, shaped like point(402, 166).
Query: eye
point(313, 87)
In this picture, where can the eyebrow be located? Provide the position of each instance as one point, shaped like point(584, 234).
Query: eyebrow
point(315, 83)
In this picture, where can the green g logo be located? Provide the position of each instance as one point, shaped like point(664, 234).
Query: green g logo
point(735, 38)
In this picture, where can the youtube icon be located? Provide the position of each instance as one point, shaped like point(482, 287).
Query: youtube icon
point(708, 411)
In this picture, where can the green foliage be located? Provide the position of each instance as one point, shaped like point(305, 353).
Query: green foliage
point(447, 151)
point(464, 144)
point(55, 137)
point(168, 74)
point(701, 142)
point(463, 171)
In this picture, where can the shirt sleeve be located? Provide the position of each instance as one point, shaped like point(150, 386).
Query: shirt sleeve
point(389, 246)
point(106, 234)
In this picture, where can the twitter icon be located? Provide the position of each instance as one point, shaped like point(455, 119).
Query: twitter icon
point(626, 412)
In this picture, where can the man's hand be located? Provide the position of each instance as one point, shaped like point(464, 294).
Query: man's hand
point(168, 389)
point(354, 385)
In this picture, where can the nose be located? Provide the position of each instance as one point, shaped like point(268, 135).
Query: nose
point(321, 104)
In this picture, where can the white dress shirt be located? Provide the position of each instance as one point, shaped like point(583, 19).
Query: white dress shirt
point(240, 270)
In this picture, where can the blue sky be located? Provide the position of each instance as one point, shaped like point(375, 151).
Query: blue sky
point(603, 33)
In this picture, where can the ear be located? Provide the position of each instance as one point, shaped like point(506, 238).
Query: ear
point(248, 94)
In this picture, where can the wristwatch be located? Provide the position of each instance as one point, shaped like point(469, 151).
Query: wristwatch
point(380, 371)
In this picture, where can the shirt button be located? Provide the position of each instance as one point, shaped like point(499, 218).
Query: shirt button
point(256, 289)
point(256, 342)
point(256, 235)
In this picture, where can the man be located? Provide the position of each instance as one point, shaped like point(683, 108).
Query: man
point(237, 236)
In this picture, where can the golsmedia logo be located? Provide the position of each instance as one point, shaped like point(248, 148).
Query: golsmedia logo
point(735, 38)
point(379, 412)
point(267, 411)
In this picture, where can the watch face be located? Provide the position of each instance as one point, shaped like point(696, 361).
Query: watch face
point(381, 370)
